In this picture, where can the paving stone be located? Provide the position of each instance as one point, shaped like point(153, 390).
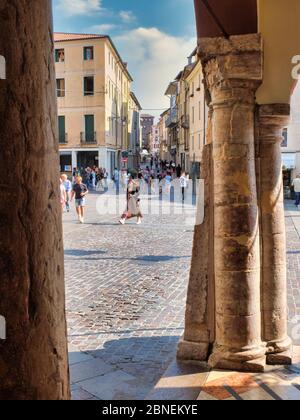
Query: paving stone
point(112, 386)
point(77, 357)
point(88, 369)
point(126, 293)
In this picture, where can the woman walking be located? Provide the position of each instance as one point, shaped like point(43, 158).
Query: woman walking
point(133, 202)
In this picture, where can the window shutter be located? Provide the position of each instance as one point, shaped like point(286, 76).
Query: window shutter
point(62, 129)
point(89, 128)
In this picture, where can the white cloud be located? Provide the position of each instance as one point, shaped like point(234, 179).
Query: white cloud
point(154, 59)
point(127, 16)
point(79, 7)
point(104, 28)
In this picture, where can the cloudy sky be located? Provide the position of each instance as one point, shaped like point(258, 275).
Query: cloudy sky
point(155, 37)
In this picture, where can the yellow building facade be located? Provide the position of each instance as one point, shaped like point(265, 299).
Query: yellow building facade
point(93, 94)
point(197, 112)
point(135, 138)
point(188, 119)
point(164, 137)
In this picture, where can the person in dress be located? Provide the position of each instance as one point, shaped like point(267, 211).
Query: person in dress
point(133, 202)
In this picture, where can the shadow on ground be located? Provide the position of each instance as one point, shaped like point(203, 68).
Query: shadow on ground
point(124, 369)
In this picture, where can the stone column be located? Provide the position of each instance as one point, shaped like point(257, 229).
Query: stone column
point(33, 358)
point(198, 325)
point(233, 72)
point(271, 121)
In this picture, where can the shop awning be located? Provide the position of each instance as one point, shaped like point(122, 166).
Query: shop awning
point(289, 160)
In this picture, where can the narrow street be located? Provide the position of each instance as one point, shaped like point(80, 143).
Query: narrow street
point(126, 288)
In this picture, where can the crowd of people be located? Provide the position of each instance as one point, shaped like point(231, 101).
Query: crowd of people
point(146, 178)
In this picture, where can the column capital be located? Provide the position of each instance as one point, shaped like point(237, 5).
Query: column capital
point(209, 48)
point(274, 113)
point(272, 119)
point(232, 67)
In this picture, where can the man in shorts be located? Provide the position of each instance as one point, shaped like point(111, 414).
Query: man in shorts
point(80, 191)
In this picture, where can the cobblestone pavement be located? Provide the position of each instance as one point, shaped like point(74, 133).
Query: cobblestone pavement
point(126, 289)
point(293, 266)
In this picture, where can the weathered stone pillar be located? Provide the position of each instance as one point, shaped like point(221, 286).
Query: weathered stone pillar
point(271, 121)
point(199, 323)
point(233, 72)
point(33, 358)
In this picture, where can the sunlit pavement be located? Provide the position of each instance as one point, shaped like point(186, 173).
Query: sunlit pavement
point(126, 288)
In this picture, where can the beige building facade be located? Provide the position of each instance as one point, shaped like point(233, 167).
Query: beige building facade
point(164, 137)
point(155, 141)
point(93, 90)
point(197, 111)
point(290, 146)
point(135, 138)
point(187, 117)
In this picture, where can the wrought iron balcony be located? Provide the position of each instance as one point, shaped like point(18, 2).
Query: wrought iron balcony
point(88, 138)
point(63, 138)
point(172, 119)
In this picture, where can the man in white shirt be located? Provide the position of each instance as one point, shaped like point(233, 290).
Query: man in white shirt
point(296, 185)
point(184, 184)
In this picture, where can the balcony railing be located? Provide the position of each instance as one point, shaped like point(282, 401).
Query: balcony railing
point(88, 138)
point(63, 138)
point(172, 119)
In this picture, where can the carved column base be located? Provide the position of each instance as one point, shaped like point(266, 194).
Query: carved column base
point(282, 359)
point(250, 360)
point(282, 346)
point(280, 352)
point(189, 350)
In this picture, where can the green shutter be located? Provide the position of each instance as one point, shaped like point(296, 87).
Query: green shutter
point(89, 128)
point(62, 129)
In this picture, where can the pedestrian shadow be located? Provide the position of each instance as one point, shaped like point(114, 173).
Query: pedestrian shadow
point(158, 258)
point(296, 251)
point(83, 253)
point(146, 259)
